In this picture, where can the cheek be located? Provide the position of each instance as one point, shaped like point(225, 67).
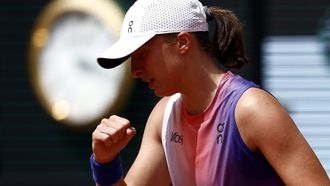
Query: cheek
point(175, 68)
point(169, 65)
point(170, 79)
point(172, 61)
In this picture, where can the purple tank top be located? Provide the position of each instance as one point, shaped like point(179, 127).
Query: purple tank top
point(207, 149)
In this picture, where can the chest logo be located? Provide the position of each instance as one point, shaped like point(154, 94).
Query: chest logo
point(220, 129)
point(177, 138)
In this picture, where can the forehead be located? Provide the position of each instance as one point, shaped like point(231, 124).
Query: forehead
point(157, 40)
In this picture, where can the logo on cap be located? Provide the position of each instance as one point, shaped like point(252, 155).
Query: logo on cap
point(130, 29)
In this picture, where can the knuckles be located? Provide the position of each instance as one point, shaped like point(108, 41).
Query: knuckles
point(114, 125)
point(116, 122)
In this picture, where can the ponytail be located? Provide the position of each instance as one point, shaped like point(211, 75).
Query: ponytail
point(227, 43)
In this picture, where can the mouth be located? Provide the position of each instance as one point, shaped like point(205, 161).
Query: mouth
point(150, 82)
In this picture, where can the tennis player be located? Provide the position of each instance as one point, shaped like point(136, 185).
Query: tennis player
point(211, 127)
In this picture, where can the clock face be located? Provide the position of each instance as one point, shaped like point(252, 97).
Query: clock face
point(70, 84)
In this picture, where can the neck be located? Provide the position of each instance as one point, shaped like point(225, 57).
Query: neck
point(199, 93)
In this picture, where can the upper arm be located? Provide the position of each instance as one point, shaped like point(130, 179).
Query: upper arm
point(150, 168)
point(265, 126)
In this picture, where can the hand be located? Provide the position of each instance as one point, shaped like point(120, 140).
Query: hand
point(110, 137)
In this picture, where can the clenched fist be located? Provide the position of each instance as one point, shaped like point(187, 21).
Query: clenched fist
point(110, 137)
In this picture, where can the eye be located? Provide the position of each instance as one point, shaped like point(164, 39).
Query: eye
point(141, 56)
point(138, 53)
point(138, 57)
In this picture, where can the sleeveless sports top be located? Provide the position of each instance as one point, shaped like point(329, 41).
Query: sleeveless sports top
point(207, 149)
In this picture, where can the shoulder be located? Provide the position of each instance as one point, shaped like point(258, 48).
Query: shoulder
point(157, 114)
point(266, 127)
point(254, 100)
point(260, 115)
point(159, 109)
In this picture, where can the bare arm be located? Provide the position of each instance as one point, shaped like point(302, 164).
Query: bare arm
point(149, 168)
point(265, 126)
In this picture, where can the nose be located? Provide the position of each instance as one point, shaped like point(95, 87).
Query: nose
point(136, 70)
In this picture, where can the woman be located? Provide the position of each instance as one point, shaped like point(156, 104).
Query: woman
point(211, 127)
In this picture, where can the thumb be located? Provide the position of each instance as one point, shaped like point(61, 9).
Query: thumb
point(130, 132)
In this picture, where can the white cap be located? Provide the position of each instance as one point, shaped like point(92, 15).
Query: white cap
point(146, 18)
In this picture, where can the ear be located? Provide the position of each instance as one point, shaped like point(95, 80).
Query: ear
point(184, 42)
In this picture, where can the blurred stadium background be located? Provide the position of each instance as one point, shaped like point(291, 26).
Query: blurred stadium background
point(288, 43)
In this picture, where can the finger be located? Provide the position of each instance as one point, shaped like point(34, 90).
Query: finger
point(120, 124)
point(113, 128)
point(116, 127)
point(101, 135)
point(119, 121)
point(114, 133)
point(130, 132)
point(118, 130)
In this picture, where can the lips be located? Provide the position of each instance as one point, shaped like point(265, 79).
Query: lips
point(146, 80)
point(150, 82)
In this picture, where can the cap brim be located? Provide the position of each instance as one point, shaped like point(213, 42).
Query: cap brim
point(121, 50)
